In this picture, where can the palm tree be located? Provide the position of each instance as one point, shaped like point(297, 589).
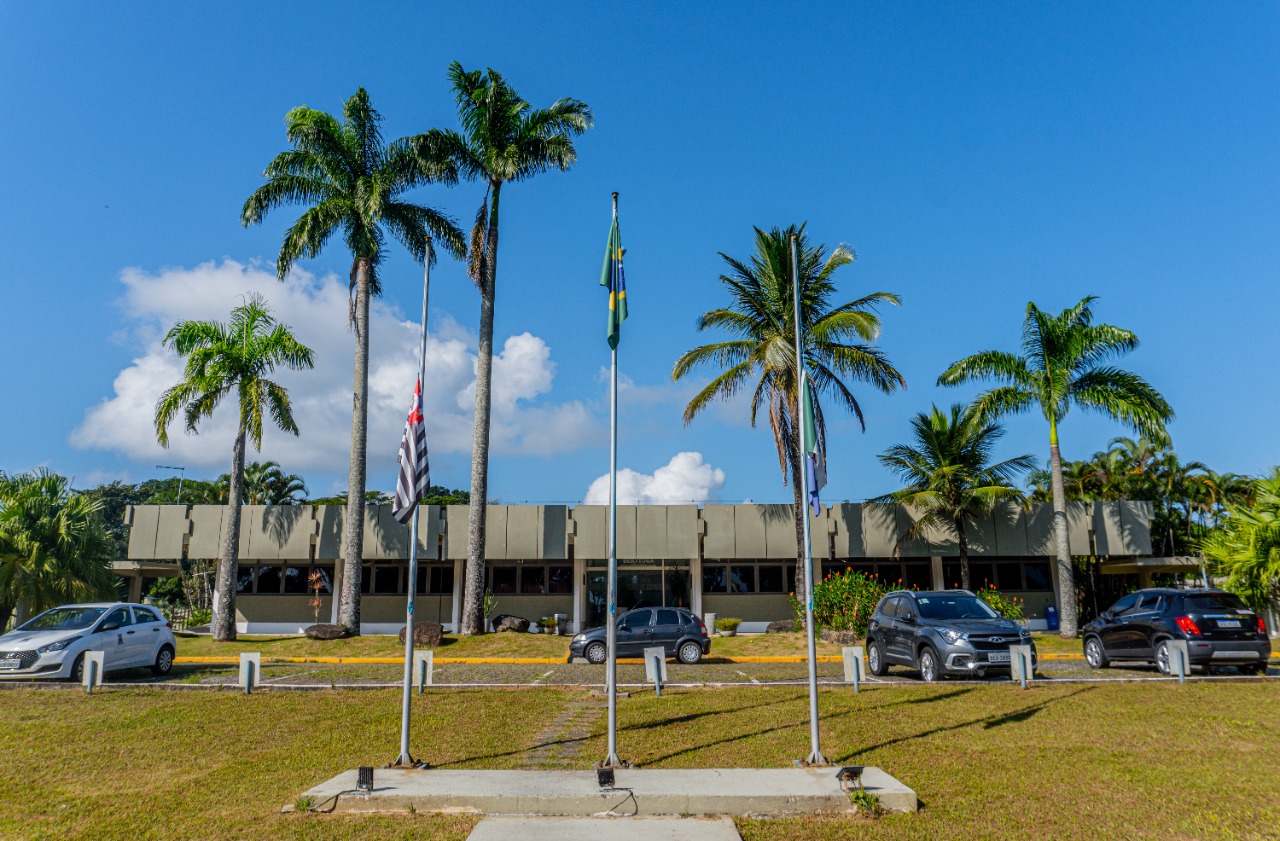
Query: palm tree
point(265, 483)
point(222, 358)
point(949, 475)
point(352, 182)
point(1246, 544)
point(1064, 364)
point(761, 355)
point(54, 547)
point(503, 139)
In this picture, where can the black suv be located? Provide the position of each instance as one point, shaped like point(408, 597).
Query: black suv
point(941, 633)
point(678, 631)
point(1218, 628)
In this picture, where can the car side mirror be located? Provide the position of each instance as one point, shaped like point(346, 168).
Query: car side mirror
point(622, 626)
point(110, 626)
point(908, 617)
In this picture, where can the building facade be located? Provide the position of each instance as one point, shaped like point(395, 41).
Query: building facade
point(732, 560)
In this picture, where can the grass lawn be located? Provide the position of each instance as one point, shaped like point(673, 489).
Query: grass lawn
point(1066, 762)
point(519, 645)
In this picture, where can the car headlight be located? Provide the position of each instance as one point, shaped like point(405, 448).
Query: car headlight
point(953, 636)
point(56, 646)
point(579, 638)
point(1024, 633)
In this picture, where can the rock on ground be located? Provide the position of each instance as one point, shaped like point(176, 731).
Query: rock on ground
point(507, 622)
point(426, 634)
point(782, 626)
point(326, 632)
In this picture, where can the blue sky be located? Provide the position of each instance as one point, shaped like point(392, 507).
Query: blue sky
point(976, 156)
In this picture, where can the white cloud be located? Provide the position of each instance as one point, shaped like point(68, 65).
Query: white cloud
point(684, 479)
point(316, 310)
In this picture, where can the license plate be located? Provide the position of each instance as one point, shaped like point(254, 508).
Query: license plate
point(10, 664)
point(997, 657)
point(1228, 623)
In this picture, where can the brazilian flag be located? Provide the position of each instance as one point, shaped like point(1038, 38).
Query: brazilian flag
point(611, 276)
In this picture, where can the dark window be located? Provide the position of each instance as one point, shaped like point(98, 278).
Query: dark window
point(982, 574)
point(917, 576)
point(244, 580)
point(295, 579)
point(1037, 573)
point(441, 580)
point(771, 580)
point(715, 580)
point(504, 579)
point(906, 607)
point(366, 579)
point(386, 579)
point(560, 579)
point(141, 616)
point(1009, 576)
point(639, 618)
point(268, 579)
point(1211, 601)
point(533, 579)
point(951, 575)
point(889, 607)
point(118, 617)
point(866, 569)
point(667, 617)
point(326, 581)
point(1151, 604)
point(1124, 604)
point(890, 574)
point(742, 579)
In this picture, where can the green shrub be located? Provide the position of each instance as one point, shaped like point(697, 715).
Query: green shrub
point(844, 601)
point(1010, 607)
point(728, 624)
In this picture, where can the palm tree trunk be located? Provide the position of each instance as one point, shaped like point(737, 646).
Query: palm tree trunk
point(963, 540)
point(1066, 573)
point(353, 553)
point(473, 594)
point(224, 614)
point(6, 613)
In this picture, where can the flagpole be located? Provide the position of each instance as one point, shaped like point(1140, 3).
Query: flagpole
point(611, 632)
point(405, 758)
point(815, 753)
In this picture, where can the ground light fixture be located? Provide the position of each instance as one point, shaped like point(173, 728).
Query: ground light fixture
point(850, 776)
point(364, 779)
point(604, 777)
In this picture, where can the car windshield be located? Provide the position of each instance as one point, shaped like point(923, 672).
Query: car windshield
point(954, 607)
point(64, 619)
point(1201, 602)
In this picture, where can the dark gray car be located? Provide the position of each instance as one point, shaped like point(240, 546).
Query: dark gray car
point(678, 631)
point(943, 633)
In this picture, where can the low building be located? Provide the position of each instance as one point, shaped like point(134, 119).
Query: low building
point(732, 560)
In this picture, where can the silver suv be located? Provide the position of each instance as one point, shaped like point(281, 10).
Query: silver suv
point(942, 633)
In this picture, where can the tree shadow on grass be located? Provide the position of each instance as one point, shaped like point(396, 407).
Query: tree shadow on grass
point(987, 722)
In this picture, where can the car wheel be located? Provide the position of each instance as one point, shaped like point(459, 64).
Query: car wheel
point(689, 653)
point(1162, 658)
point(77, 670)
point(930, 665)
point(596, 653)
point(875, 660)
point(164, 662)
point(1094, 654)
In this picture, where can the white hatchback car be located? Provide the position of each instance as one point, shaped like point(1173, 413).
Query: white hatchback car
point(52, 645)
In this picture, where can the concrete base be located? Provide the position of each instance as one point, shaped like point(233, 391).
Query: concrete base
point(614, 829)
point(770, 792)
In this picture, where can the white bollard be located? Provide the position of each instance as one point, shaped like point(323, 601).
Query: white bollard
point(709, 619)
point(853, 665)
point(424, 666)
point(1021, 666)
point(655, 666)
point(92, 675)
point(250, 671)
point(1179, 659)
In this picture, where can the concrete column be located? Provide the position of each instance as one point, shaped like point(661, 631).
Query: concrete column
point(579, 596)
point(695, 586)
point(135, 588)
point(935, 570)
point(1144, 579)
point(337, 589)
point(459, 572)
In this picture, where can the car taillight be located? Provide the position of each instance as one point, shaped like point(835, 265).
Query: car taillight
point(1262, 627)
point(703, 628)
point(1188, 626)
point(169, 625)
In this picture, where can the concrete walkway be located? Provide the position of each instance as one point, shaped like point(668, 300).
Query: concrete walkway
point(614, 829)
